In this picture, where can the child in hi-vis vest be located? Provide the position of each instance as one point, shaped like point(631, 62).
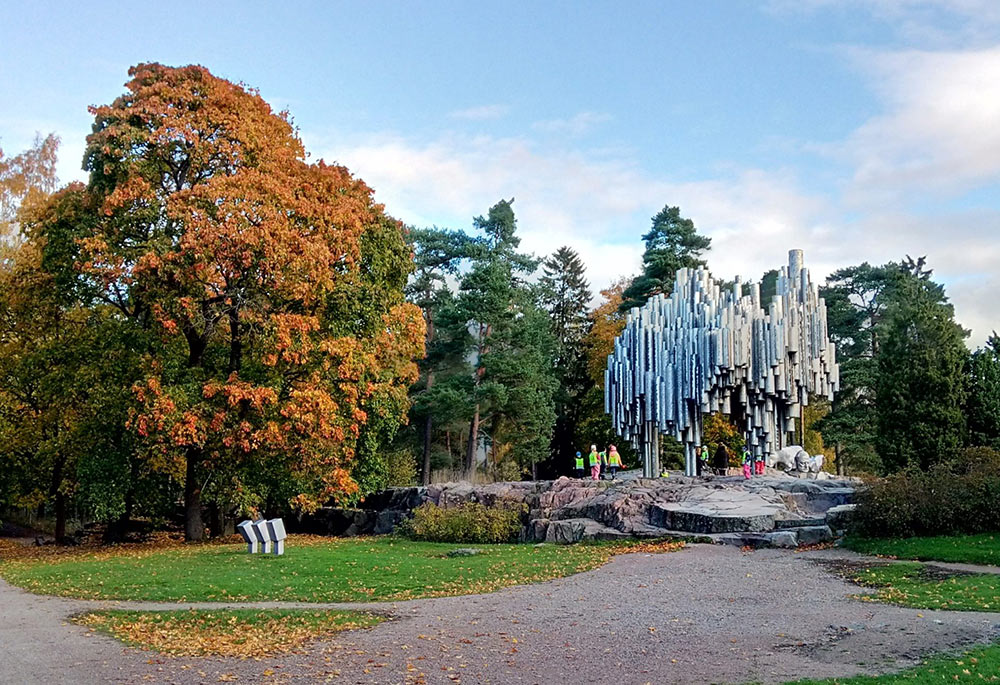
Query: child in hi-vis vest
point(579, 465)
point(747, 463)
point(595, 463)
point(614, 461)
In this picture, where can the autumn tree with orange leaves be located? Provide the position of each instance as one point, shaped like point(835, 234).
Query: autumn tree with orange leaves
point(244, 259)
point(606, 322)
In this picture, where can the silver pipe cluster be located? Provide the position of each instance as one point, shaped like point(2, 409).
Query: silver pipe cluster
point(706, 349)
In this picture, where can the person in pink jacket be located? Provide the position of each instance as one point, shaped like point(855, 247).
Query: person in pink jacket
point(595, 463)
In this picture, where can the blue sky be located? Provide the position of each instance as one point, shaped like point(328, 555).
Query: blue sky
point(856, 130)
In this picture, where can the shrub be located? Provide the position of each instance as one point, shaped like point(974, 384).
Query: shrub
point(468, 522)
point(961, 496)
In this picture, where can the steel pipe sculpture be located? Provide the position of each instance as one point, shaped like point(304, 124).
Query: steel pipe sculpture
point(708, 348)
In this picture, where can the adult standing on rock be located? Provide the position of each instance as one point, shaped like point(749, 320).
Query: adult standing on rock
point(721, 460)
point(595, 463)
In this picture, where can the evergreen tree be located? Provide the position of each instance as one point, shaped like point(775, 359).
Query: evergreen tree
point(983, 408)
point(768, 286)
point(856, 299)
point(673, 243)
point(496, 317)
point(437, 254)
point(566, 296)
point(919, 385)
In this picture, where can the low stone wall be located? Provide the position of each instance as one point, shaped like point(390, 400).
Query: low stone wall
point(764, 511)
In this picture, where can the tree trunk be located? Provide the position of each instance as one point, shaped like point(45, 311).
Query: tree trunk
point(194, 528)
point(425, 473)
point(838, 459)
point(470, 448)
point(60, 518)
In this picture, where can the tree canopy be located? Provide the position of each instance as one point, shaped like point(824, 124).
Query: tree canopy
point(673, 243)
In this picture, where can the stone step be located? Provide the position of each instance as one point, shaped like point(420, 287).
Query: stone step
point(786, 524)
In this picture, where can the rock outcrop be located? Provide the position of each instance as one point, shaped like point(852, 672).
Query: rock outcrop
point(776, 511)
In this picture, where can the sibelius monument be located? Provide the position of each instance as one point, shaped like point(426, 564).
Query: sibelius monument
point(709, 348)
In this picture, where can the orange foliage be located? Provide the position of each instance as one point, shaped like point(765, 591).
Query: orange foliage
point(608, 323)
point(214, 224)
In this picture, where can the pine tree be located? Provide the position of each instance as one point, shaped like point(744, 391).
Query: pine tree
point(566, 296)
point(497, 317)
point(920, 388)
point(437, 254)
point(856, 299)
point(983, 408)
point(673, 243)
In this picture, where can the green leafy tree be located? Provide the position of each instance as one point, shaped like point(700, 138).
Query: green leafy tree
point(856, 299)
point(920, 383)
point(673, 243)
point(497, 324)
point(566, 296)
point(438, 254)
point(768, 286)
point(983, 407)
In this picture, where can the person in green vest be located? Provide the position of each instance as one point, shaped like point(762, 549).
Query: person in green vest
point(701, 454)
point(594, 460)
point(747, 464)
point(604, 463)
point(579, 465)
point(614, 460)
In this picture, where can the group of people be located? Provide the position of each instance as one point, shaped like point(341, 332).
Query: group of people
point(608, 461)
point(752, 464)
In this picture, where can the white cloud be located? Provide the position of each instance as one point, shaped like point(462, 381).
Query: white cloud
point(939, 131)
point(480, 113)
point(600, 203)
point(939, 23)
point(575, 126)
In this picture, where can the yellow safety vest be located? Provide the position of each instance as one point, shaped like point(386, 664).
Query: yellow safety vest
point(579, 462)
point(595, 459)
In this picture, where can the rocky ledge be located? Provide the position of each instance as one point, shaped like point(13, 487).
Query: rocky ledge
point(775, 511)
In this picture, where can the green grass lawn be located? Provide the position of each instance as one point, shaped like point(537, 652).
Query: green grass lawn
point(916, 586)
point(973, 666)
point(248, 633)
point(969, 549)
point(334, 570)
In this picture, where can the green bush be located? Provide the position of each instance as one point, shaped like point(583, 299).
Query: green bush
point(961, 496)
point(469, 522)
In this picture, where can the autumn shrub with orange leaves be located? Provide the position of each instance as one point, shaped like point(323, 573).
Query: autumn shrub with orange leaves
point(274, 287)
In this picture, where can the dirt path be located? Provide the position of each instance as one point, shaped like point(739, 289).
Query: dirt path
point(708, 614)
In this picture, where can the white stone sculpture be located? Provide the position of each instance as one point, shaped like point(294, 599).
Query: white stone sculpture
point(264, 536)
point(276, 534)
point(260, 530)
point(707, 349)
point(786, 458)
point(249, 536)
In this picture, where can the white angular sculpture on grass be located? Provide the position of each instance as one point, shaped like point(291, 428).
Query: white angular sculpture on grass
point(249, 536)
point(708, 348)
point(264, 536)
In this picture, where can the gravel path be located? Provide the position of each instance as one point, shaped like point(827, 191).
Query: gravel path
point(707, 614)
